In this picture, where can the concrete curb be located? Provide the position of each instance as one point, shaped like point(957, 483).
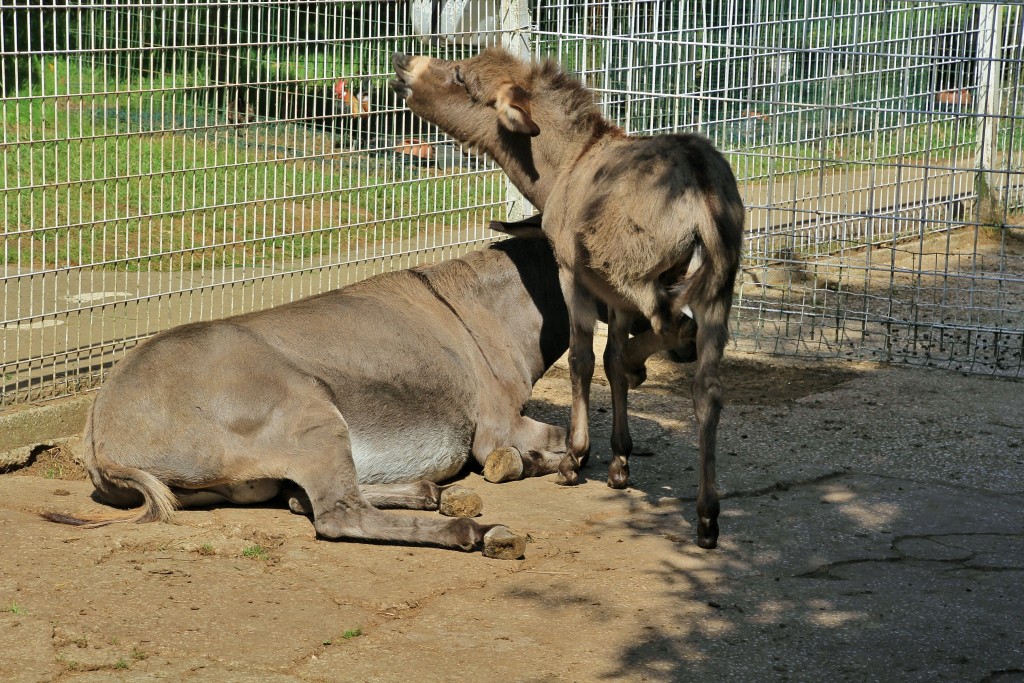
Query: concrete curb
point(24, 429)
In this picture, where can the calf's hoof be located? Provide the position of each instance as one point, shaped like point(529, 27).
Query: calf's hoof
point(707, 533)
point(503, 464)
point(457, 501)
point(568, 471)
point(618, 473)
point(502, 544)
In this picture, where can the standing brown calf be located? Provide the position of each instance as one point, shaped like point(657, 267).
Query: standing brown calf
point(651, 226)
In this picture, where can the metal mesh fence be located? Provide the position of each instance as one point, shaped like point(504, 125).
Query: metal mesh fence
point(166, 162)
point(878, 147)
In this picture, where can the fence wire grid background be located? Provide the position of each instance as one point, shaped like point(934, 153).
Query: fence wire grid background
point(167, 162)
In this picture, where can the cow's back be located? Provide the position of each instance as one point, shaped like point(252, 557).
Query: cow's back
point(411, 359)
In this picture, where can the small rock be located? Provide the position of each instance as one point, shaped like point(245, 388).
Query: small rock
point(502, 544)
point(460, 502)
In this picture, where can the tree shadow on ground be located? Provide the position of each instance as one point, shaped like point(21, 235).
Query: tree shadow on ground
point(831, 573)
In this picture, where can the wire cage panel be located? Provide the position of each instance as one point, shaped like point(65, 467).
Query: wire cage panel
point(169, 161)
point(878, 149)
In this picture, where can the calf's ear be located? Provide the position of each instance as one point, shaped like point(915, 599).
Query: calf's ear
point(513, 105)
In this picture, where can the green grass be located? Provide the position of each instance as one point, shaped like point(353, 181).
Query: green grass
point(15, 609)
point(352, 633)
point(256, 552)
point(93, 179)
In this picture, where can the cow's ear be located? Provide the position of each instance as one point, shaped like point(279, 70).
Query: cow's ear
point(513, 105)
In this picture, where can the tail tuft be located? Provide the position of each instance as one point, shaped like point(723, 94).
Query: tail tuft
point(61, 518)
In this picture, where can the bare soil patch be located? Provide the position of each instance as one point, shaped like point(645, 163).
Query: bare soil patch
point(56, 462)
point(863, 512)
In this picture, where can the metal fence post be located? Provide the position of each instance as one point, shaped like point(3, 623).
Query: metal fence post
point(516, 39)
point(989, 74)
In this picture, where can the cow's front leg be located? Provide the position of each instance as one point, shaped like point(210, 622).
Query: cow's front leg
point(582, 318)
point(451, 501)
point(615, 368)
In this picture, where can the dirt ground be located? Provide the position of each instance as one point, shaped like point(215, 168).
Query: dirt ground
point(872, 530)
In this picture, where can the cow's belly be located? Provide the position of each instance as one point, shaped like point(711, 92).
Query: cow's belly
point(434, 455)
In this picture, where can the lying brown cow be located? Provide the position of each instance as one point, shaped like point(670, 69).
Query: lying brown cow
point(363, 397)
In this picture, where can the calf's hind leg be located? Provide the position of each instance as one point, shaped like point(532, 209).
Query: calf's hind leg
point(582, 318)
point(712, 334)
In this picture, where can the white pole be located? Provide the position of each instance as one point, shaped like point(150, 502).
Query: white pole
point(516, 26)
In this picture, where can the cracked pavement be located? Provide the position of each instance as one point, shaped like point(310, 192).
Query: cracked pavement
point(872, 530)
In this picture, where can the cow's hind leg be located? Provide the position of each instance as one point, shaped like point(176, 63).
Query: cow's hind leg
point(241, 493)
point(452, 501)
point(319, 459)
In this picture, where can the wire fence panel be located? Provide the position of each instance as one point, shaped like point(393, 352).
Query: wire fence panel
point(878, 146)
point(168, 161)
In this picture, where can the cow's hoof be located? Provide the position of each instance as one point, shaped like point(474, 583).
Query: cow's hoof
point(300, 505)
point(503, 464)
point(457, 501)
point(502, 544)
point(568, 479)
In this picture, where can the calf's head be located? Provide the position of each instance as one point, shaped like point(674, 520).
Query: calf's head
point(531, 118)
point(471, 98)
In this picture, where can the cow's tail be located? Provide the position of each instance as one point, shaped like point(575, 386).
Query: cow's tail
point(159, 502)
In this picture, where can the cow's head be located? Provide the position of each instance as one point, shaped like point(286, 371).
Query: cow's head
point(462, 97)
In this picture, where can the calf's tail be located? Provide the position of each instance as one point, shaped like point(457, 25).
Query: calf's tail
point(720, 241)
